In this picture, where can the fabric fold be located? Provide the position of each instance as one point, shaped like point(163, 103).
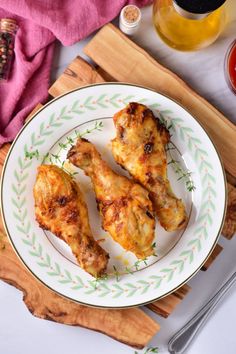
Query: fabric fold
point(40, 23)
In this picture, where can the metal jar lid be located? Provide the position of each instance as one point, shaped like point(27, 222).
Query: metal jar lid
point(8, 25)
point(199, 6)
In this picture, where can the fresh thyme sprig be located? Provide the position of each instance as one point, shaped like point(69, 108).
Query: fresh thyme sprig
point(139, 262)
point(55, 158)
point(71, 140)
point(183, 174)
point(129, 270)
point(98, 126)
point(31, 154)
point(153, 247)
point(95, 282)
point(116, 273)
point(148, 350)
point(164, 122)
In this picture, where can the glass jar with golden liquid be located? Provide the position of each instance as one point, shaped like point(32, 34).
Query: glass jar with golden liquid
point(189, 24)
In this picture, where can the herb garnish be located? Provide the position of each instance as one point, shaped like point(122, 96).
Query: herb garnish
point(149, 350)
point(139, 262)
point(116, 273)
point(32, 154)
point(183, 174)
point(55, 158)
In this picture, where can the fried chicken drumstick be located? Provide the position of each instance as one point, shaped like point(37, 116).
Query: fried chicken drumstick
point(139, 147)
point(61, 209)
point(125, 206)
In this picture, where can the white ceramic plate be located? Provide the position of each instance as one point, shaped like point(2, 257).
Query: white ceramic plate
point(179, 254)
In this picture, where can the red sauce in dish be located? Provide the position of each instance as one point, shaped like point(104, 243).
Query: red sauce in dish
point(232, 66)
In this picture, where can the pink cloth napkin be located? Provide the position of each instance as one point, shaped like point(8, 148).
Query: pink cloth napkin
point(40, 23)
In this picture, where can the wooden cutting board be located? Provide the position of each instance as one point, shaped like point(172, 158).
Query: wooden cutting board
point(131, 326)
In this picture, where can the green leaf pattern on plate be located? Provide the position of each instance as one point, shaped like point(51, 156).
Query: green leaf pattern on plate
point(112, 286)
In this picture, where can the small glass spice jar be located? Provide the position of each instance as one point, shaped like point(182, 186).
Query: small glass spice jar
point(130, 18)
point(8, 29)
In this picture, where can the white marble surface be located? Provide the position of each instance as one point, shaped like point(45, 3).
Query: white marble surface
point(21, 333)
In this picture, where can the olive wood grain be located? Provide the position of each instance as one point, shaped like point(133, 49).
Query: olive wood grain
point(78, 73)
point(165, 306)
point(107, 77)
point(215, 253)
point(229, 228)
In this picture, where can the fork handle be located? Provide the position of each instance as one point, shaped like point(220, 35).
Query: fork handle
point(181, 340)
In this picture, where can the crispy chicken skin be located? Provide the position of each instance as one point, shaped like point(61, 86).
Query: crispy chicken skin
point(139, 147)
point(60, 208)
point(125, 207)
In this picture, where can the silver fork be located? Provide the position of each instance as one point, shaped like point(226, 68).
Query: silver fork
point(181, 340)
